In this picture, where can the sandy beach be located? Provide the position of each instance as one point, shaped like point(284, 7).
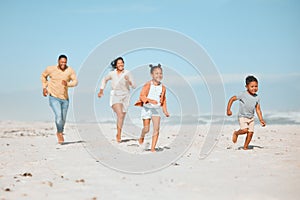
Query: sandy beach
point(33, 166)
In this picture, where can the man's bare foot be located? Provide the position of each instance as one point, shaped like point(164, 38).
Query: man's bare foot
point(153, 150)
point(234, 137)
point(118, 138)
point(141, 140)
point(245, 148)
point(60, 138)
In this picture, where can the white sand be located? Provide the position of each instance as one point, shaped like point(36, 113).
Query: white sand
point(271, 170)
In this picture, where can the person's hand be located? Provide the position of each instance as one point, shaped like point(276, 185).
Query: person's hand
point(152, 101)
point(263, 123)
point(126, 77)
point(167, 114)
point(229, 113)
point(45, 92)
point(100, 94)
point(63, 82)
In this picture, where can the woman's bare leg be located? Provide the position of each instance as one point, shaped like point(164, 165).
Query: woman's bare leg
point(118, 109)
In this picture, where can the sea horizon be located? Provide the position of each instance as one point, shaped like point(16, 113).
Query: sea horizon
point(275, 118)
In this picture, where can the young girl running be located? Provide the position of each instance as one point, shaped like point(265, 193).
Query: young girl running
point(121, 81)
point(152, 97)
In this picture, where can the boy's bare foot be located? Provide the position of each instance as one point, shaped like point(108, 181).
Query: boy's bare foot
point(246, 148)
point(118, 138)
point(141, 140)
point(60, 138)
point(234, 137)
point(153, 150)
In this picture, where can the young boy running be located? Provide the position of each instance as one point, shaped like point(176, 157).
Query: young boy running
point(249, 102)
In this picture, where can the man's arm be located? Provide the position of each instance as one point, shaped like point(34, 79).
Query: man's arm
point(73, 81)
point(231, 100)
point(44, 80)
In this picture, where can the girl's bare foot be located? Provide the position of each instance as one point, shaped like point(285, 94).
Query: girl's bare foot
point(60, 138)
point(118, 138)
point(141, 140)
point(234, 137)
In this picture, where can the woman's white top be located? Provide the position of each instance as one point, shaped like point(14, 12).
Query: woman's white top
point(118, 82)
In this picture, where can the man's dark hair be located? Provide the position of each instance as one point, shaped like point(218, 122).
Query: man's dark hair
point(250, 79)
point(62, 56)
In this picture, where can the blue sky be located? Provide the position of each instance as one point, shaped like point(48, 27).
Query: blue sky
point(242, 37)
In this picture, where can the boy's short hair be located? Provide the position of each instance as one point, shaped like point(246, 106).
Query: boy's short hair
point(250, 79)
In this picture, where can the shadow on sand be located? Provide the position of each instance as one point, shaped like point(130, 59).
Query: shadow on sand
point(251, 147)
point(159, 149)
point(74, 142)
point(128, 140)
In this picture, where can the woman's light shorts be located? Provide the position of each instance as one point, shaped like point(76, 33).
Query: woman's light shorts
point(120, 97)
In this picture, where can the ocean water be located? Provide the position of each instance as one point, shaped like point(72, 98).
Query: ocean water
point(276, 118)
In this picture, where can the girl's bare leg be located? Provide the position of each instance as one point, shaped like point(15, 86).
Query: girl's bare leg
point(145, 130)
point(156, 126)
point(118, 109)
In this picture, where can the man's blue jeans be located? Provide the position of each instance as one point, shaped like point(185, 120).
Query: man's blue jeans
point(60, 109)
